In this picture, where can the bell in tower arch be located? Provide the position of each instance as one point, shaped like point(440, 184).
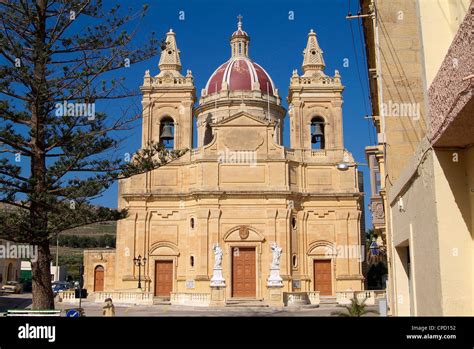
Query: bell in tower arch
point(317, 133)
point(167, 133)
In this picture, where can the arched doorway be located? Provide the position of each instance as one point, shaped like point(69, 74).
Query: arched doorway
point(323, 255)
point(244, 252)
point(10, 272)
point(99, 278)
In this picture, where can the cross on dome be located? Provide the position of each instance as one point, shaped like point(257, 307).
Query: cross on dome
point(239, 23)
point(239, 40)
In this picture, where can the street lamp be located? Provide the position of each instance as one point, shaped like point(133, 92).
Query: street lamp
point(344, 166)
point(139, 262)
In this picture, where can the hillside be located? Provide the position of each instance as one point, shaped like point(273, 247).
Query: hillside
point(105, 228)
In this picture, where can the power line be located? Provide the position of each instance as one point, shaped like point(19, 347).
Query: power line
point(366, 109)
point(372, 135)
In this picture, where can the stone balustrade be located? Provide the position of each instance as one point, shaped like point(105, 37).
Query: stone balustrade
point(313, 297)
point(194, 299)
point(295, 298)
point(68, 296)
point(345, 297)
point(127, 297)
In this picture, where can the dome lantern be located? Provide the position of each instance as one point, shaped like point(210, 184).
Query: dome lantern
point(239, 41)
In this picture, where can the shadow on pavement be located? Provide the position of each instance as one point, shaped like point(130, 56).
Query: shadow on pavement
point(14, 301)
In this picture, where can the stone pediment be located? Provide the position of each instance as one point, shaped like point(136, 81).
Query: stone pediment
point(242, 119)
point(243, 233)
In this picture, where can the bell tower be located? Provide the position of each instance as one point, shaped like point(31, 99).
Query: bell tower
point(168, 100)
point(315, 103)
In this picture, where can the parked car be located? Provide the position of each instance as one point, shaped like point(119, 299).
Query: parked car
point(60, 286)
point(12, 287)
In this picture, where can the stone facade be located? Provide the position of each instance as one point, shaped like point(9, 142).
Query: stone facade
point(420, 53)
point(241, 189)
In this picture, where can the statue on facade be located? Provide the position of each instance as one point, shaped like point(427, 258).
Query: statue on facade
point(276, 254)
point(217, 279)
point(217, 256)
point(275, 280)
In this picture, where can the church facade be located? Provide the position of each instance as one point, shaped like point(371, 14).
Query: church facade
point(240, 216)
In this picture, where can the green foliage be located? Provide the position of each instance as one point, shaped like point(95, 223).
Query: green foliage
point(53, 162)
point(354, 309)
point(72, 263)
point(67, 159)
point(375, 275)
point(78, 241)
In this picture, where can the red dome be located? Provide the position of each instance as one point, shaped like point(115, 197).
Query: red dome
point(239, 73)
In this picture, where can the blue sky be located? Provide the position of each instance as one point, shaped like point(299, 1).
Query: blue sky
point(277, 43)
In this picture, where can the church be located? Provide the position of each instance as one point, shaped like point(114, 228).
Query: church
point(240, 217)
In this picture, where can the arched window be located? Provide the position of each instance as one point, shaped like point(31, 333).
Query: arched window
point(207, 135)
point(318, 137)
point(191, 223)
point(167, 132)
point(191, 261)
point(207, 138)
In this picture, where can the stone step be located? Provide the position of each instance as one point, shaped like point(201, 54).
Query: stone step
point(161, 301)
point(245, 303)
point(327, 301)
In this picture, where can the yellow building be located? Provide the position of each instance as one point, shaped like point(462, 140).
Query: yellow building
point(419, 56)
point(240, 216)
point(9, 267)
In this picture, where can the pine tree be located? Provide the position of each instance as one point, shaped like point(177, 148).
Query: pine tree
point(54, 54)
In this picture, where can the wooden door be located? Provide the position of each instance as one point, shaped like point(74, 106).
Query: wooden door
point(163, 278)
point(99, 278)
point(243, 273)
point(323, 277)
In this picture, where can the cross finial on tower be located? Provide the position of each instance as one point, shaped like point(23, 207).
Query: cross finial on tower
point(239, 23)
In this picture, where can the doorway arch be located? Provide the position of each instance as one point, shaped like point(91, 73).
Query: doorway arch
point(10, 272)
point(99, 278)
